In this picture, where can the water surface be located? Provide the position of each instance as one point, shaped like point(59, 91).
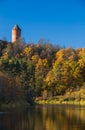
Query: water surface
point(46, 117)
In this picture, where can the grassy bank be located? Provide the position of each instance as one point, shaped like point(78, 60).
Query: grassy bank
point(60, 100)
point(76, 98)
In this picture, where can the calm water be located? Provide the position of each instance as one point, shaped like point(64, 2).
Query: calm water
point(50, 117)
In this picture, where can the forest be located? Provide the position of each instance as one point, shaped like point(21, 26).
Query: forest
point(33, 70)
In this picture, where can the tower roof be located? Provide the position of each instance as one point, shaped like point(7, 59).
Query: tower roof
point(16, 27)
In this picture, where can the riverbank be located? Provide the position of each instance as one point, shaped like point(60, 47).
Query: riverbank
point(74, 98)
point(14, 105)
point(61, 101)
point(71, 98)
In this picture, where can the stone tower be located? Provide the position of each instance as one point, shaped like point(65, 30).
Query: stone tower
point(16, 33)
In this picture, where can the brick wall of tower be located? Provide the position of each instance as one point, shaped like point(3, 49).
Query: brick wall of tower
point(16, 34)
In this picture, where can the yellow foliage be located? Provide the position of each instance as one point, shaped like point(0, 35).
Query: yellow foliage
point(82, 53)
point(66, 54)
point(45, 62)
point(35, 58)
point(42, 63)
point(10, 61)
point(27, 50)
point(5, 57)
point(50, 78)
point(81, 62)
point(60, 55)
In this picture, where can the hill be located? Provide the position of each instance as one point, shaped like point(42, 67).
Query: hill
point(39, 70)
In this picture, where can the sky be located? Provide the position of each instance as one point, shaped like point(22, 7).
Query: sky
point(61, 22)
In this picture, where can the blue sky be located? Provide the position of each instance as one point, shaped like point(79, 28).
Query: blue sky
point(59, 21)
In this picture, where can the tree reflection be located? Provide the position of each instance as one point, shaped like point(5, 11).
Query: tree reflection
point(44, 118)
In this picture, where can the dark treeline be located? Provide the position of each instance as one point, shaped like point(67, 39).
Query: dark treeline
point(33, 70)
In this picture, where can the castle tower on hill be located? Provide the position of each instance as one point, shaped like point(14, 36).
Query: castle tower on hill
point(16, 33)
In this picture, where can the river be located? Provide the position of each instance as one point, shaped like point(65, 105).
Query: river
point(44, 117)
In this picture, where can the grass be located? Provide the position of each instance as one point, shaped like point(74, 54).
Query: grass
point(75, 98)
point(61, 101)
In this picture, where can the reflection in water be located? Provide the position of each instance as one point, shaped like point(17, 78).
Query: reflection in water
point(51, 117)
